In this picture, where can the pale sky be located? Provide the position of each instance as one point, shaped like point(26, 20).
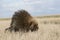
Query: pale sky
point(34, 7)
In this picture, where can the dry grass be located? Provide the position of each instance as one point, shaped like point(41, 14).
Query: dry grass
point(49, 29)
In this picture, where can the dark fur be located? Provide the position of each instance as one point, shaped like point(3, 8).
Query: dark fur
point(22, 20)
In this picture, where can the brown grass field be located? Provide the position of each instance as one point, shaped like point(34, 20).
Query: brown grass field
point(49, 29)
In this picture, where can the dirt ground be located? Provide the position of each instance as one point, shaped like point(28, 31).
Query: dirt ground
point(49, 29)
